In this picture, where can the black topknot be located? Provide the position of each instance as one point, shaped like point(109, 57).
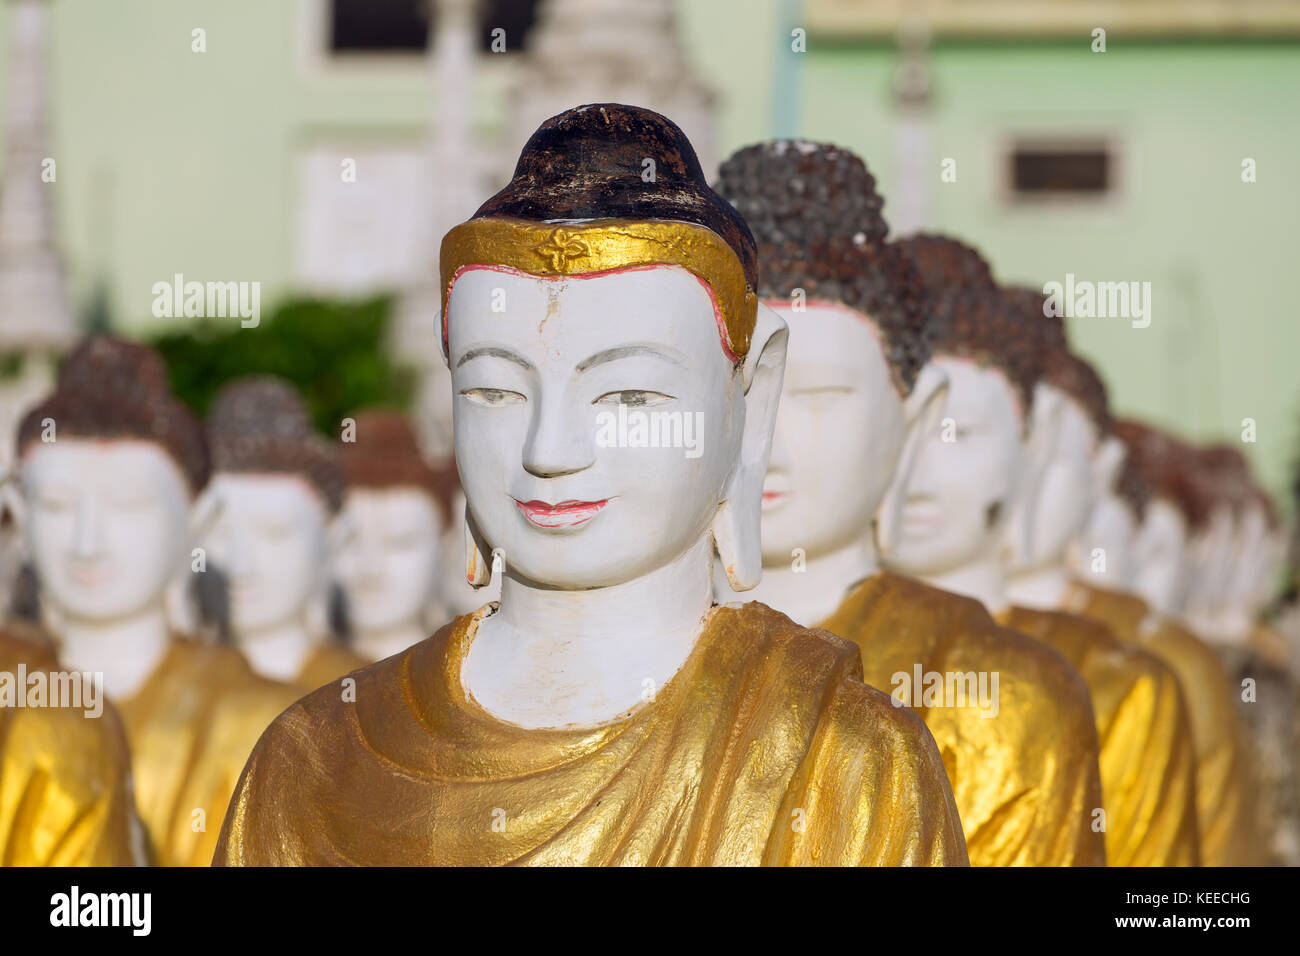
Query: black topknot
point(817, 219)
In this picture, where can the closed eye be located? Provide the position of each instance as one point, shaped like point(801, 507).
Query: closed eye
point(493, 397)
point(633, 398)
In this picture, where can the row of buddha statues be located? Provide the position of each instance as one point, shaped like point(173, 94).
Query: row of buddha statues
point(910, 595)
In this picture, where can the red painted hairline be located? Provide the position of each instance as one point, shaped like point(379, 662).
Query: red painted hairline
point(509, 270)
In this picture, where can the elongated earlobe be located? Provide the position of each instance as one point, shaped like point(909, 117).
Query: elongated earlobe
point(1045, 417)
point(478, 566)
point(922, 413)
point(1110, 458)
point(736, 527)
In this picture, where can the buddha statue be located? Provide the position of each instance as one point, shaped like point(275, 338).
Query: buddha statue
point(277, 487)
point(858, 400)
point(1254, 655)
point(1146, 615)
point(1147, 752)
point(605, 711)
point(65, 771)
point(396, 508)
point(112, 467)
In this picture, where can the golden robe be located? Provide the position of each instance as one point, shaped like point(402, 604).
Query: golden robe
point(1148, 759)
point(191, 727)
point(764, 748)
point(328, 663)
point(1026, 780)
point(65, 780)
point(1225, 785)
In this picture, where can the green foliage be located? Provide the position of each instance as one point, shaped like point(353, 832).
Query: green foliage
point(334, 352)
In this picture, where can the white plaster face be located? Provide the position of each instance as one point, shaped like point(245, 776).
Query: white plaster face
point(1160, 557)
point(1103, 554)
point(108, 523)
point(270, 540)
point(534, 387)
point(839, 433)
point(388, 567)
point(960, 491)
point(1066, 492)
point(1211, 553)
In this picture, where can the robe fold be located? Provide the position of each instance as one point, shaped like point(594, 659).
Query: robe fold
point(1148, 758)
point(65, 779)
point(1026, 779)
point(764, 748)
point(191, 727)
point(1226, 790)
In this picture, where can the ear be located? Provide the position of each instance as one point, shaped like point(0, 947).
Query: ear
point(736, 526)
point(478, 567)
point(922, 413)
point(204, 513)
point(180, 608)
point(1040, 445)
point(442, 340)
point(1110, 458)
point(11, 499)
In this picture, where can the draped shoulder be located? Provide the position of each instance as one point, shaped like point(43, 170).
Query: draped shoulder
point(1148, 759)
point(191, 728)
point(65, 778)
point(764, 748)
point(1023, 760)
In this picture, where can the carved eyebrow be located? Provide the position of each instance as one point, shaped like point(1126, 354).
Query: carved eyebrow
point(661, 352)
point(495, 352)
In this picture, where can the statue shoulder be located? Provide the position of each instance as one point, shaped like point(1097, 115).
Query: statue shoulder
point(887, 763)
point(78, 767)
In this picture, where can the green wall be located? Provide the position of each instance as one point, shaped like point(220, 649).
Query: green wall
point(1223, 342)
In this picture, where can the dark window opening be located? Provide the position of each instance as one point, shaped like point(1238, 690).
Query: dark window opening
point(516, 17)
point(403, 26)
point(379, 26)
point(1048, 171)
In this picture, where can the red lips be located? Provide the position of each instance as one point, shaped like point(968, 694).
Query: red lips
point(566, 514)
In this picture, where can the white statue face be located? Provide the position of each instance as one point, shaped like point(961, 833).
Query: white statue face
point(1066, 491)
point(839, 433)
point(107, 524)
point(537, 393)
point(1211, 556)
point(269, 539)
point(389, 564)
point(1160, 557)
point(961, 490)
point(1103, 554)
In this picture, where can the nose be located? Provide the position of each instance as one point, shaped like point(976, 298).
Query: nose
point(86, 542)
point(370, 556)
point(930, 458)
point(561, 439)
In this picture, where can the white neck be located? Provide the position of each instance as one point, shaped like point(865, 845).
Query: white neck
point(1234, 627)
point(551, 658)
point(983, 579)
point(278, 652)
point(385, 642)
point(1043, 587)
point(125, 651)
point(813, 593)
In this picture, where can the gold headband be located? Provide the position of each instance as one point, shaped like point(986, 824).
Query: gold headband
point(549, 249)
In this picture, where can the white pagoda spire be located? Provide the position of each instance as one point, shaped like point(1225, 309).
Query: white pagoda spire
point(35, 315)
point(611, 51)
